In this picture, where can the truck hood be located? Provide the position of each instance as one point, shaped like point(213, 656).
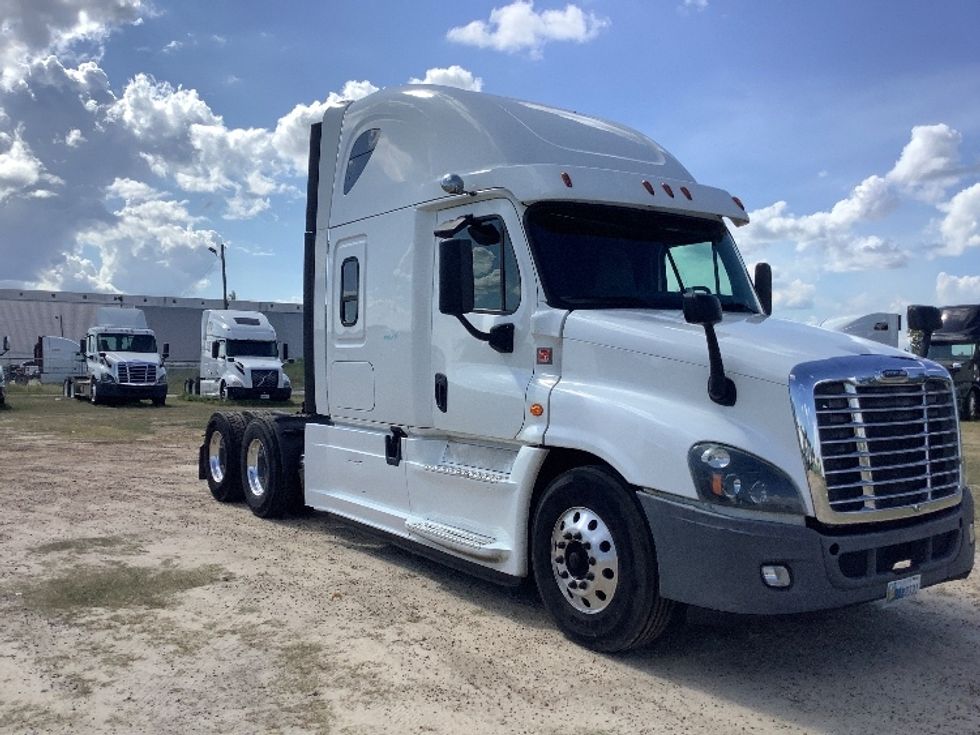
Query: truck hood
point(258, 363)
point(148, 357)
point(751, 345)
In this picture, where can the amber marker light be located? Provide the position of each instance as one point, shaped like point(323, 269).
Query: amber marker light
point(536, 409)
point(716, 484)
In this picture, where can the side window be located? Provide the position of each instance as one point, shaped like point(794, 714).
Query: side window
point(963, 351)
point(496, 277)
point(349, 291)
point(360, 154)
point(696, 265)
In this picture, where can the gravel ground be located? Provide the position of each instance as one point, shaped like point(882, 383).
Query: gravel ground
point(131, 602)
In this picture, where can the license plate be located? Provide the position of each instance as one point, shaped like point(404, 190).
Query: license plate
point(899, 589)
point(264, 396)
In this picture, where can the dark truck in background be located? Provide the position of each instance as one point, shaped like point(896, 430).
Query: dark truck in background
point(956, 346)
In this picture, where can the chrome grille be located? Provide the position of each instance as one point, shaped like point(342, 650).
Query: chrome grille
point(887, 446)
point(137, 372)
point(265, 378)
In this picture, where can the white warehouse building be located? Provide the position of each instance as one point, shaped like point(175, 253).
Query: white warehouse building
point(26, 315)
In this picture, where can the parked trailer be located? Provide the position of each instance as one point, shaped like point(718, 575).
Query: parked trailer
point(58, 359)
point(533, 351)
point(121, 360)
point(878, 326)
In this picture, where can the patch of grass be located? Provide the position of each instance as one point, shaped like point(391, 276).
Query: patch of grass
point(118, 544)
point(970, 432)
point(115, 587)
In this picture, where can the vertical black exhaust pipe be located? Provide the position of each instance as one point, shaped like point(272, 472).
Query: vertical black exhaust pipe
point(309, 269)
point(924, 319)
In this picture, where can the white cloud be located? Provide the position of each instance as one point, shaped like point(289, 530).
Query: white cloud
point(930, 162)
point(452, 76)
point(74, 138)
point(795, 295)
point(32, 29)
point(174, 45)
point(151, 245)
point(960, 227)
point(20, 170)
point(517, 27)
point(291, 137)
point(957, 289)
point(698, 5)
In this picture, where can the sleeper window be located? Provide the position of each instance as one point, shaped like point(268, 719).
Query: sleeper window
point(349, 291)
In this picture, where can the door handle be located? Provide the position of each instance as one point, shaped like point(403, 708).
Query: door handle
point(442, 392)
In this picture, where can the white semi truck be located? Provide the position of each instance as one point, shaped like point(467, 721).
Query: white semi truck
point(122, 362)
point(240, 357)
point(533, 350)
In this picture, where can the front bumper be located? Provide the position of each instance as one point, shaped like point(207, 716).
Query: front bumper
point(274, 394)
point(130, 391)
point(714, 561)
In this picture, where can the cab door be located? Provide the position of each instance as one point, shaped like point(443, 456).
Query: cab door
point(476, 390)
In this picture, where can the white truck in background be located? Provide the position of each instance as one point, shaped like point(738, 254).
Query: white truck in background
point(878, 326)
point(240, 357)
point(533, 350)
point(122, 362)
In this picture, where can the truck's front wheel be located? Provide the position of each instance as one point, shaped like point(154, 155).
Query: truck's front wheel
point(223, 440)
point(594, 562)
point(972, 412)
point(68, 389)
point(93, 394)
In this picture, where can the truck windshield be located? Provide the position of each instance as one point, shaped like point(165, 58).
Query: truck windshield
point(600, 257)
point(251, 348)
point(952, 351)
point(127, 343)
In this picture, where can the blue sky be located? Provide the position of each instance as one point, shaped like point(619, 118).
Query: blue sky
point(135, 135)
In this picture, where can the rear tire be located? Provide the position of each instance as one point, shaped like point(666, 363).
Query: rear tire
point(223, 444)
point(262, 476)
point(68, 389)
point(595, 564)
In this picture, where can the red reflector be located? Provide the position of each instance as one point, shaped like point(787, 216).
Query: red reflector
point(649, 187)
point(670, 192)
point(739, 203)
point(567, 179)
point(686, 193)
point(544, 356)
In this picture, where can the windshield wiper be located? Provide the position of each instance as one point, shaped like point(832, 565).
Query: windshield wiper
point(739, 307)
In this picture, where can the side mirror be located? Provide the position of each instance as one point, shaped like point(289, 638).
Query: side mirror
point(166, 350)
point(81, 346)
point(214, 349)
point(701, 308)
point(955, 368)
point(285, 352)
point(763, 286)
point(925, 319)
point(6, 344)
point(456, 293)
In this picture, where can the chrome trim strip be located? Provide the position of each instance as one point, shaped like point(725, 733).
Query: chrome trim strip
point(860, 371)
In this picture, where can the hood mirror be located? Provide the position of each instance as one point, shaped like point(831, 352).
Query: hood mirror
point(703, 307)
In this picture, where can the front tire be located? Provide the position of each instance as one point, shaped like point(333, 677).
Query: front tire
point(262, 476)
point(93, 395)
point(972, 412)
point(594, 562)
point(68, 388)
point(223, 442)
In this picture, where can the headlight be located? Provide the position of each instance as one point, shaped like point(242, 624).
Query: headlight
point(234, 380)
point(107, 377)
point(285, 381)
point(737, 479)
point(162, 377)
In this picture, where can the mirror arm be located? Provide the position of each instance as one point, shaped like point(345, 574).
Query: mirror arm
point(500, 337)
point(721, 388)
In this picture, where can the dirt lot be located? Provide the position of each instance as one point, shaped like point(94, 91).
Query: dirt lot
point(131, 602)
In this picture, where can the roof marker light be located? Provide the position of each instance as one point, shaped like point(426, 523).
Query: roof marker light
point(666, 188)
point(567, 179)
point(739, 203)
point(649, 187)
point(686, 193)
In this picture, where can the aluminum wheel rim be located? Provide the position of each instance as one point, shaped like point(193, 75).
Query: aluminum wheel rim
point(216, 456)
point(256, 468)
point(584, 560)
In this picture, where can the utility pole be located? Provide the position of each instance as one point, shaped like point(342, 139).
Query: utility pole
point(224, 278)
